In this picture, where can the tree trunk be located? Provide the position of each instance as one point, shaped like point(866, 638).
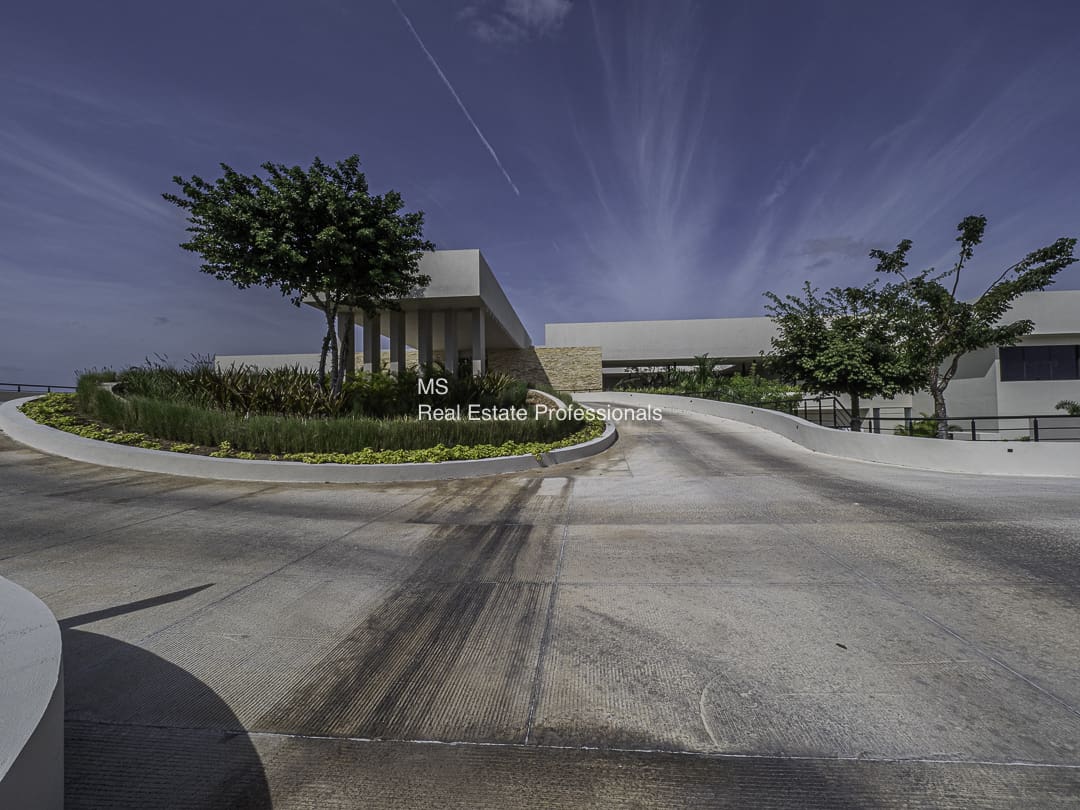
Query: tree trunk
point(941, 414)
point(322, 359)
point(339, 380)
point(856, 420)
point(331, 326)
point(938, 383)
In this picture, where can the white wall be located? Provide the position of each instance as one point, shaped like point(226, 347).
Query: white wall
point(265, 361)
point(663, 340)
point(31, 703)
point(983, 458)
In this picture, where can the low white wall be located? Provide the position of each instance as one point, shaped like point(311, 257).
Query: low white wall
point(26, 431)
point(993, 458)
point(31, 703)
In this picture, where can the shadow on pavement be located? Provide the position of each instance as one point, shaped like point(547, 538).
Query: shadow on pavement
point(141, 732)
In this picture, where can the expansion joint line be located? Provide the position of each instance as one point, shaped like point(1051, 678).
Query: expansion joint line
point(210, 731)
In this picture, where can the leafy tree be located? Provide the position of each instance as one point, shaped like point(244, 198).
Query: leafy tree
point(315, 234)
point(1071, 407)
point(838, 343)
point(935, 329)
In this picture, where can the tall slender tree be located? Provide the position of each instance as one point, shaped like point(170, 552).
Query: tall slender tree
point(935, 328)
point(315, 233)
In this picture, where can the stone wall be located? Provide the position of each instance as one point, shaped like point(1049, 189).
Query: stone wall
point(570, 368)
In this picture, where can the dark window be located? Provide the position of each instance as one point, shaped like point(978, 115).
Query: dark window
point(1039, 363)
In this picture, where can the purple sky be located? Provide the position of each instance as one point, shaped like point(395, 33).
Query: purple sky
point(613, 160)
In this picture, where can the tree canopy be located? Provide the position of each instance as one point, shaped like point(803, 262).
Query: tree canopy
point(934, 328)
point(315, 233)
point(840, 342)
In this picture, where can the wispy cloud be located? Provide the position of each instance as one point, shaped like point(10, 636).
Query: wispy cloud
point(457, 98)
point(788, 175)
point(641, 187)
point(507, 21)
point(44, 162)
point(916, 179)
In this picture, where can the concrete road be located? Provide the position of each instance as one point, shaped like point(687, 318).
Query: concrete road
point(704, 616)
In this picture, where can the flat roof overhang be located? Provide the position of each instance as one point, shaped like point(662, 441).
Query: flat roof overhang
point(461, 282)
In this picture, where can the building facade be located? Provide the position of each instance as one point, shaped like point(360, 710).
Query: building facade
point(1030, 378)
point(464, 316)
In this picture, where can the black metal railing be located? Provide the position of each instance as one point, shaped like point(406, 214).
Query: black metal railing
point(30, 388)
point(828, 411)
point(1056, 427)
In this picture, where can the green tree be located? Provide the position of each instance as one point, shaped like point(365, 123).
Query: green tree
point(315, 233)
point(705, 371)
point(935, 329)
point(840, 343)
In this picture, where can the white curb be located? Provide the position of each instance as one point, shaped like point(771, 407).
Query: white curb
point(26, 431)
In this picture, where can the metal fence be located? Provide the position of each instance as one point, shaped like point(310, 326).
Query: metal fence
point(30, 388)
point(1055, 427)
point(829, 411)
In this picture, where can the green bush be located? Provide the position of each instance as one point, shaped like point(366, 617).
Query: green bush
point(548, 389)
point(146, 423)
point(926, 427)
point(241, 411)
point(296, 391)
point(704, 381)
point(1069, 406)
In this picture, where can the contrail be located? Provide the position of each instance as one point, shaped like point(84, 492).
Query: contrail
point(457, 98)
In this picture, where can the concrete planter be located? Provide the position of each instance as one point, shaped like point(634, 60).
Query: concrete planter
point(56, 442)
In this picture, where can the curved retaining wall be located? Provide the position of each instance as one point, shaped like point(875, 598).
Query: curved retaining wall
point(31, 703)
point(984, 458)
point(23, 429)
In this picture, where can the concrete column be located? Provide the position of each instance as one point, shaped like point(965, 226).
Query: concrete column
point(450, 341)
point(347, 340)
point(397, 341)
point(479, 342)
point(372, 344)
point(423, 339)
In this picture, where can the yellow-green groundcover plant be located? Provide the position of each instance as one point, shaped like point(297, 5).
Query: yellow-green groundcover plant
point(58, 411)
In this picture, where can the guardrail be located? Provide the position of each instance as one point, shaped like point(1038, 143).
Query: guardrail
point(828, 411)
point(30, 388)
point(824, 410)
point(1054, 427)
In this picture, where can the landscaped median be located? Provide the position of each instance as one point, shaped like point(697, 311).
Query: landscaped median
point(182, 436)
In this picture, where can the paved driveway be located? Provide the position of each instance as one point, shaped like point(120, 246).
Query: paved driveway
point(702, 616)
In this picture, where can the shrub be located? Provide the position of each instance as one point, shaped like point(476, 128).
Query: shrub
point(295, 391)
point(347, 440)
point(1069, 406)
point(925, 427)
point(548, 389)
point(744, 389)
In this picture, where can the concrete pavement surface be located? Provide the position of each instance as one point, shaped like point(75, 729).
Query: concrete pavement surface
point(703, 616)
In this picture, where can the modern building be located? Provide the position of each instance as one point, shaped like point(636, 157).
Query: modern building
point(464, 316)
point(1030, 378)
